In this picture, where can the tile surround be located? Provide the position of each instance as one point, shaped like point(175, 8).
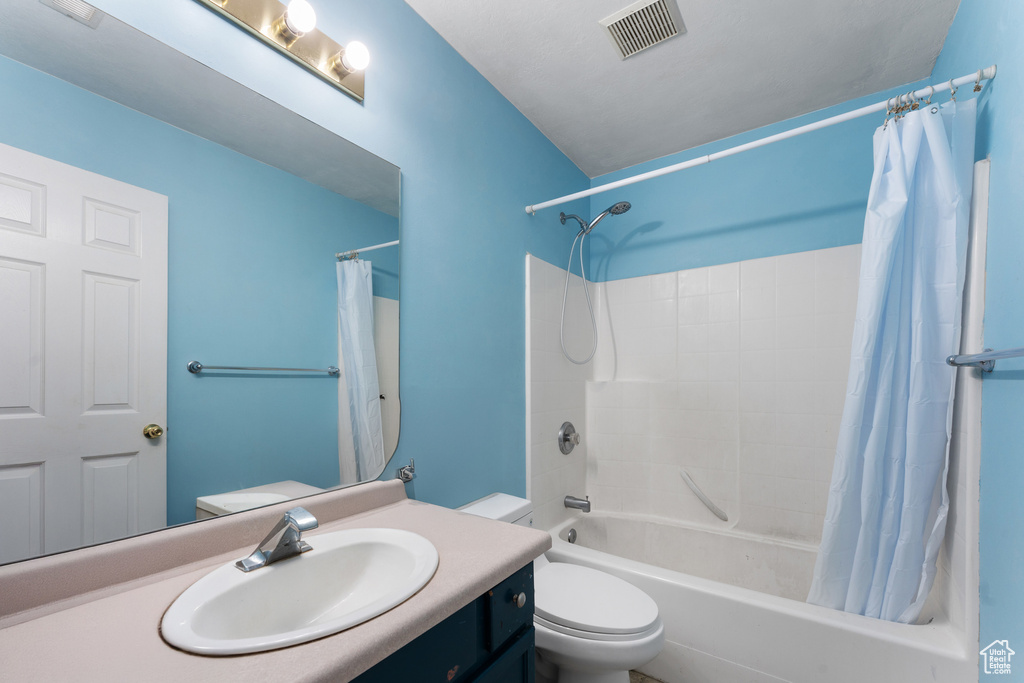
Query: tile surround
point(555, 391)
point(750, 402)
point(735, 372)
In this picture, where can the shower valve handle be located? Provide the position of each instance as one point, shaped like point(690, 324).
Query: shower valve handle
point(568, 438)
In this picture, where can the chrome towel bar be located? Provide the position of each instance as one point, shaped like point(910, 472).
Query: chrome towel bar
point(985, 360)
point(195, 367)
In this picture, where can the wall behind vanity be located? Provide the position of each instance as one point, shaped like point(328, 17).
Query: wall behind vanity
point(470, 163)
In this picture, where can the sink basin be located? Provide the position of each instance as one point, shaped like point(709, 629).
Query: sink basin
point(350, 576)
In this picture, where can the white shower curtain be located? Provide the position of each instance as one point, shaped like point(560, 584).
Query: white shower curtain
point(360, 433)
point(887, 503)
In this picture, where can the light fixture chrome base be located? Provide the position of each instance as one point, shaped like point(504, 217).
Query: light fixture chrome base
point(313, 50)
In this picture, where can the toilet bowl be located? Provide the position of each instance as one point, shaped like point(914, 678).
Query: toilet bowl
point(591, 627)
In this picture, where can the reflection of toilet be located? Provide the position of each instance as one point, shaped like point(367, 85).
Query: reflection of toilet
point(247, 499)
point(591, 626)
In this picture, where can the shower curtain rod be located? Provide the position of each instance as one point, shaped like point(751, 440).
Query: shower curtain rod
point(977, 77)
point(353, 252)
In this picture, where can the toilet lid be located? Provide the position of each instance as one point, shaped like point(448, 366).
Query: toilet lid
point(590, 600)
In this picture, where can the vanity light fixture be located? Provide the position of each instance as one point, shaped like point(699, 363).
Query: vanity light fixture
point(352, 58)
point(292, 31)
point(298, 20)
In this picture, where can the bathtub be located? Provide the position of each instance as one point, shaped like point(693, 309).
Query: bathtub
point(733, 609)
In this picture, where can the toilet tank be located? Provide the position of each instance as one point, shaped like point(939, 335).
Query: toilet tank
point(502, 507)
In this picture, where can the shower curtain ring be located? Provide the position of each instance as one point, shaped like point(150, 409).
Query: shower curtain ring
point(931, 91)
point(902, 106)
point(952, 91)
point(977, 81)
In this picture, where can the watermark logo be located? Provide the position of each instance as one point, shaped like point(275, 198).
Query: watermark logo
point(997, 657)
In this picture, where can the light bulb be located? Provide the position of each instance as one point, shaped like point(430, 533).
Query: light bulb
point(355, 57)
point(300, 17)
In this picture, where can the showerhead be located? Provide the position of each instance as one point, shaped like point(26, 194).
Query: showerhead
point(616, 209)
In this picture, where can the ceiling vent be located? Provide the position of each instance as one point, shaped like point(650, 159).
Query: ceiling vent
point(642, 25)
point(76, 9)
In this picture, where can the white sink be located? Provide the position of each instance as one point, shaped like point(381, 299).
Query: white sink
point(348, 577)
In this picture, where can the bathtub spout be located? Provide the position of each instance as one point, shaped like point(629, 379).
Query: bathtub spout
point(575, 503)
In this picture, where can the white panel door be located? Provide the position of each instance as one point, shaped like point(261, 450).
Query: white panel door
point(83, 356)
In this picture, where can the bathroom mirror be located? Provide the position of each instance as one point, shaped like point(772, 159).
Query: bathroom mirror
point(258, 203)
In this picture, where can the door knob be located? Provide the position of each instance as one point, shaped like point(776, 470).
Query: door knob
point(152, 431)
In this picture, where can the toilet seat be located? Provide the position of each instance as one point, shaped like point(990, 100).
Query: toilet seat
point(591, 604)
point(541, 622)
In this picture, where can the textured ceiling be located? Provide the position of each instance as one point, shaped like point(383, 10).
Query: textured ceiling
point(741, 64)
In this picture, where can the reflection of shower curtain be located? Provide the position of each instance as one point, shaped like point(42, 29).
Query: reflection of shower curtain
point(361, 444)
point(887, 504)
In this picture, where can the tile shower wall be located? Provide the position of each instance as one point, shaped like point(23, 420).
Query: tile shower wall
point(736, 373)
point(556, 390)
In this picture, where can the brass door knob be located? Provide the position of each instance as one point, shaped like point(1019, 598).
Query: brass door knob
point(152, 431)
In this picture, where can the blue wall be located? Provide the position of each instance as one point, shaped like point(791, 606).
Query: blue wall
point(987, 32)
point(245, 287)
point(470, 163)
point(809, 192)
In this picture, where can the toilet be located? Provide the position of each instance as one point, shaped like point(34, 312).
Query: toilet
point(246, 499)
point(591, 627)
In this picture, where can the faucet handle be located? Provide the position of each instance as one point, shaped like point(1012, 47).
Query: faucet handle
point(284, 540)
point(302, 518)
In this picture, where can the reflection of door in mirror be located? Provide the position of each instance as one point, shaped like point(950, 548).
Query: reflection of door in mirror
point(83, 319)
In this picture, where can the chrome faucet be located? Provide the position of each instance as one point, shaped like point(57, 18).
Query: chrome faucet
point(284, 541)
point(577, 503)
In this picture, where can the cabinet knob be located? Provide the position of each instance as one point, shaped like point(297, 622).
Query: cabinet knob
point(519, 600)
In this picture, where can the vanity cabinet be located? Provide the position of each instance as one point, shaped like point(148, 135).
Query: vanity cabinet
point(490, 640)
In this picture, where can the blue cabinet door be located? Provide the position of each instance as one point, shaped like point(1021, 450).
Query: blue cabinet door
point(516, 665)
point(490, 640)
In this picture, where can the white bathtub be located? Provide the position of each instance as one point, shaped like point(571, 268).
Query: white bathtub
point(752, 624)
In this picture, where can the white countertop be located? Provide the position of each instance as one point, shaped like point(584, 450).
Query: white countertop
point(112, 634)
